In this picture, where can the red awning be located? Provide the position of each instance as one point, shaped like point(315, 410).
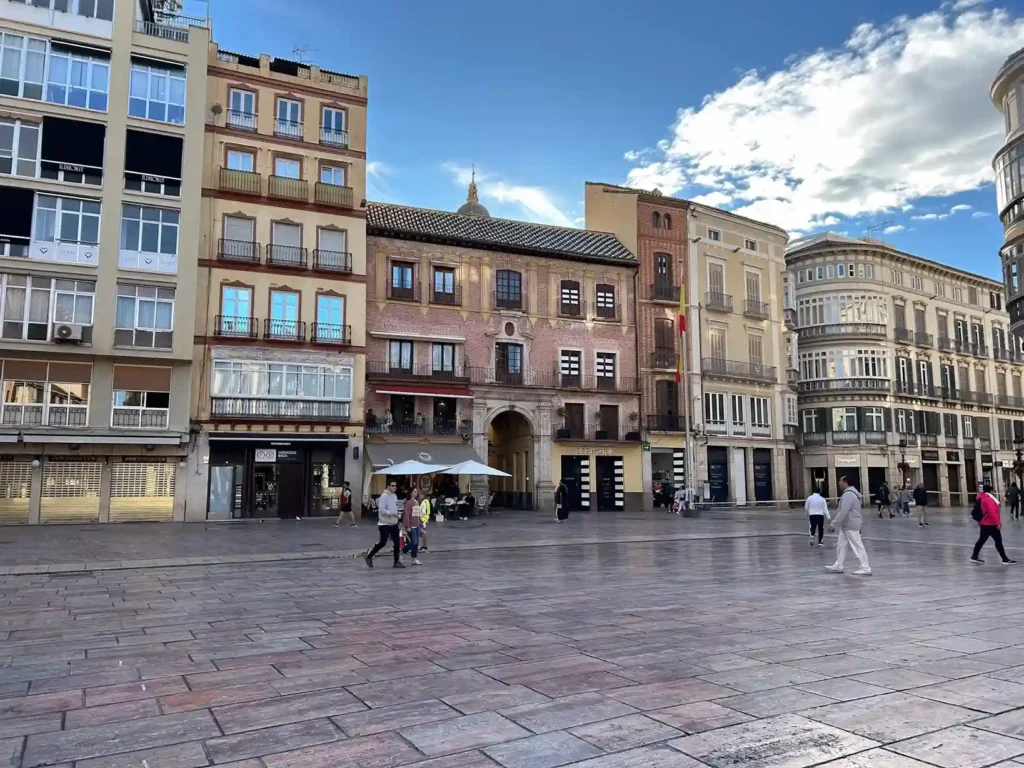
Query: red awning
point(423, 390)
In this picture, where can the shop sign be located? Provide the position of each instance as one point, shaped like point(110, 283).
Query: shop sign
point(74, 459)
point(912, 461)
point(145, 459)
point(953, 456)
point(929, 455)
point(266, 455)
point(593, 451)
point(288, 456)
point(847, 461)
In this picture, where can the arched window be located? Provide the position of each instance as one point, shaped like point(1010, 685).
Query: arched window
point(656, 220)
point(668, 221)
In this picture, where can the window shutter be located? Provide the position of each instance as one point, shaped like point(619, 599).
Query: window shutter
point(887, 412)
point(983, 427)
point(931, 373)
point(861, 420)
point(827, 415)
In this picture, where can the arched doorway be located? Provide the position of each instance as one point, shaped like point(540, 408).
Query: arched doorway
point(510, 448)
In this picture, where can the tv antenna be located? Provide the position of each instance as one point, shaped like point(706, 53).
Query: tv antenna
point(300, 52)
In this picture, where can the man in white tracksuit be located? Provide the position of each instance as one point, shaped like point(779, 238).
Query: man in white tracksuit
point(817, 514)
point(848, 520)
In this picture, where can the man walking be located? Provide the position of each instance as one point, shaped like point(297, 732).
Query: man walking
point(817, 513)
point(412, 523)
point(921, 500)
point(990, 524)
point(848, 520)
point(906, 494)
point(387, 524)
point(346, 505)
point(1013, 497)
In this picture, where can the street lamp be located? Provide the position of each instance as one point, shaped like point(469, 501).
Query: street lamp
point(1018, 463)
point(903, 466)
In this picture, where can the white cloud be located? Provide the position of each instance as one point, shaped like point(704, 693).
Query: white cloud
point(963, 5)
point(960, 207)
point(980, 214)
point(893, 229)
point(715, 199)
point(900, 112)
point(534, 203)
point(378, 168)
point(940, 216)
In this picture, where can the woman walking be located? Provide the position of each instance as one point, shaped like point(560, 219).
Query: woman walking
point(1013, 498)
point(882, 498)
point(986, 512)
point(921, 500)
point(412, 523)
point(561, 502)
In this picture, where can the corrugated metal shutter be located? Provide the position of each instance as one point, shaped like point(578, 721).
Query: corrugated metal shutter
point(15, 491)
point(71, 492)
point(141, 492)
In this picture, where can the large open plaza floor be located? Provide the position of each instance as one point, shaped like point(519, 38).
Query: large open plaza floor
point(625, 641)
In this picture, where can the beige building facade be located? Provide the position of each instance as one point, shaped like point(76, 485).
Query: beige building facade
point(902, 361)
point(101, 137)
point(280, 300)
point(1007, 96)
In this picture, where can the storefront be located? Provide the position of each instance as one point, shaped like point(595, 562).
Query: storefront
point(384, 454)
point(600, 478)
point(276, 478)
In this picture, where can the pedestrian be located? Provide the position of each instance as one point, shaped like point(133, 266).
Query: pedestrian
point(346, 505)
point(562, 502)
point(848, 520)
point(882, 497)
point(921, 500)
point(680, 502)
point(817, 514)
point(986, 512)
point(906, 494)
point(412, 523)
point(1013, 497)
point(387, 525)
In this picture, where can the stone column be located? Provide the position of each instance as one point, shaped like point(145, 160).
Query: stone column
point(648, 481)
point(943, 484)
point(544, 493)
point(749, 457)
point(480, 486)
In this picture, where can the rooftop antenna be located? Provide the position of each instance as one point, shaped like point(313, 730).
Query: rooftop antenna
point(300, 52)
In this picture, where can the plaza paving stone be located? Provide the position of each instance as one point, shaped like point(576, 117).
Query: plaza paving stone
point(616, 641)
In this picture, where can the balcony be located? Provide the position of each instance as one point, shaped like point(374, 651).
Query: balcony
point(228, 326)
point(843, 385)
point(423, 427)
point(284, 330)
point(425, 372)
point(977, 348)
point(846, 438)
point(874, 438)
point(287, 188)
point(983, 398)
point(241, 121)
point(984, 443)
point(139, 418)
point(333, 137)
point(950, 393)
point(902, 334)
point(598, 383)
point(666, 359)
point(241, 182)
point(332, 261)
point(288, 129)
point(923, 339)
point(404, 291)
point(570, 309)
point(756, 308)
point(945, 343)
point(291, 409)
point(657, 422)
point(662, 290)
point(238, 250)
point(333, 194)
point(929, 440)
point(719, 302)
point(450, 297)
point(508, 300)
point(331, 333)
point(908, 437)
point(170, 26)
point(1010, 401)
point(596, 431)
point(286, 256)
point(911, 389)
point(814, 438)
point(833, 330)
point(790, 431)
point(738, 369)
point(1000, 353)
point(967, 442)
point(38, 415)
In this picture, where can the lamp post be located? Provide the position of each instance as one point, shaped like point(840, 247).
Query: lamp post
point(903, 466)
point(1018, 462)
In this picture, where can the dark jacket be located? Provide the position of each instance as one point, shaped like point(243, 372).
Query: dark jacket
point(921, 497)
point(1013, 494)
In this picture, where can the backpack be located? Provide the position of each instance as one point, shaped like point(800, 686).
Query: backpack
point(976, 513)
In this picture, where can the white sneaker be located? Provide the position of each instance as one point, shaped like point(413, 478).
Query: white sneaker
point(810, 541)
point(862, 572)
point(834, 568)
point(416, 561)
point(820, 544)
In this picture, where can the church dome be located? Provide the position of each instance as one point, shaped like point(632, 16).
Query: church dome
point(472, 206)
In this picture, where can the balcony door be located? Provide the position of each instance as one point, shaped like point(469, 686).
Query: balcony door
point(236, 310)
point(509, 363)
point(665, 342)
point(666, 399)
point(663, 269)
point(716, 279)
point(284, 314)
point(239, 238)
point(330, 316)
point(400, 356)
point(509, 289)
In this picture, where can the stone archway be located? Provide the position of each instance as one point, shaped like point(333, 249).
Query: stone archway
point(511, 447)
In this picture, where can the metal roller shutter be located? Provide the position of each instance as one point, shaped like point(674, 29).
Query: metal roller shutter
point(141, 492)
point(71, 492)
point(15, 491)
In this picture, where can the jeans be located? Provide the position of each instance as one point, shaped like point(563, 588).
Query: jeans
point(817, 523)
point(1015, 509)
point(990, 532)
point(414, 542)
point(851, 540)
point(386, 532)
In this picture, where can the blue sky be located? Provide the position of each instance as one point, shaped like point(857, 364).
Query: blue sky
point(812, 115)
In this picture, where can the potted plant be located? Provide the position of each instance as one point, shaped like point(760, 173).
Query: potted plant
point(599, 433)
point(563, 432)
point(634, 429)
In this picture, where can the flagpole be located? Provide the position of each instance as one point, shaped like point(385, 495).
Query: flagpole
point(686, 416)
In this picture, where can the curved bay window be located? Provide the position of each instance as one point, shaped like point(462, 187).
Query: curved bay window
point(508, 292)
point(838, 369)
point(1009, 185)
point(829, 310)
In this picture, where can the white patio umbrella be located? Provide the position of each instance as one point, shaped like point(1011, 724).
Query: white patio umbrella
point(411, 467)
point(474, 468)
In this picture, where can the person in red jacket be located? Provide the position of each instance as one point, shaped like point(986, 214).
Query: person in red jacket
point(990, 524)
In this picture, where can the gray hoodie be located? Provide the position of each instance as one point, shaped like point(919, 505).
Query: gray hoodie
point(849, 518)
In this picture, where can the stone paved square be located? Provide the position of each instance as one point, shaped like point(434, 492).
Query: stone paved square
point(616, 641)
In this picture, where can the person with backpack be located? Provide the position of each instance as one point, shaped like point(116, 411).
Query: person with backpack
point(849, 520)
point(882, 498)
point(346, 505)
point(921, 500)
point(986, 513)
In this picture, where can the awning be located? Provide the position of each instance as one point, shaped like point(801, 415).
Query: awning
point(382, 454)
point(284, 438)
point(424, 390)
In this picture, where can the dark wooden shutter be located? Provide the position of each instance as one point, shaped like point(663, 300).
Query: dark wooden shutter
point(888, 419)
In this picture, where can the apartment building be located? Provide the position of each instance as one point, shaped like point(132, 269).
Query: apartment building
point(506, 342)
point(737, 352)
point(903, 361)
point(280, 305)
point(101, 141)
point(1007, 95)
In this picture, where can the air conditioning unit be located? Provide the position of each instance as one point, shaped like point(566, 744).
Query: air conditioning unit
point(67, 333)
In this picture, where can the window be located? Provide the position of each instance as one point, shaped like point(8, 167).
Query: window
point(737, 411)
point(26, 307)
point(444, 286)
point(571, 367)
point(509, 293)
point(56, 404)
point(810, 416)
point(980, 385)
point(830, 271)
point(844, 419)
point(924, 374)
point(332, 127)
point(869, 271)
point(330, 318)
point(242, 110)
point(874, 420)
point(400, 355)
point(667, 221)
point(144, 316)
point(73, 301)
point(897, 277)
point(402, 281)
point(800, 275)
point(19, 147)
point(78, 77)
point(157, 92)
point(842, 270)
point(958, 294)
point(751, 245)
point(760, 415)
point(810, 275)
point(605, 367)
point(919, 320)
point(71, 224)
point(662, 268)
point(753, 285)
point(152, 163)
point(239, 160)
point(714, 407)
point(716, 280)
point(960, 328)
point(972, 295)
point(22, 62)
point(443, 359)
point(850, 271)
point(606, 301)
point(916, 283)
point(755, 349)
point(995, 300)
point(281, 380)
point(569, 299)
point(287, 168)
point(284, 314)
point(656, 220)
point(236, 311)
point(820, 273)
point(333, 175)
point(509, 359)
point(791, 410)
point(899, 315)
point(134, 408)
point(716, 340)
point(93, 9)
point(939, 288)
point(289, 119)
point(714, 235)
point(904, 421)
point(149, 239)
